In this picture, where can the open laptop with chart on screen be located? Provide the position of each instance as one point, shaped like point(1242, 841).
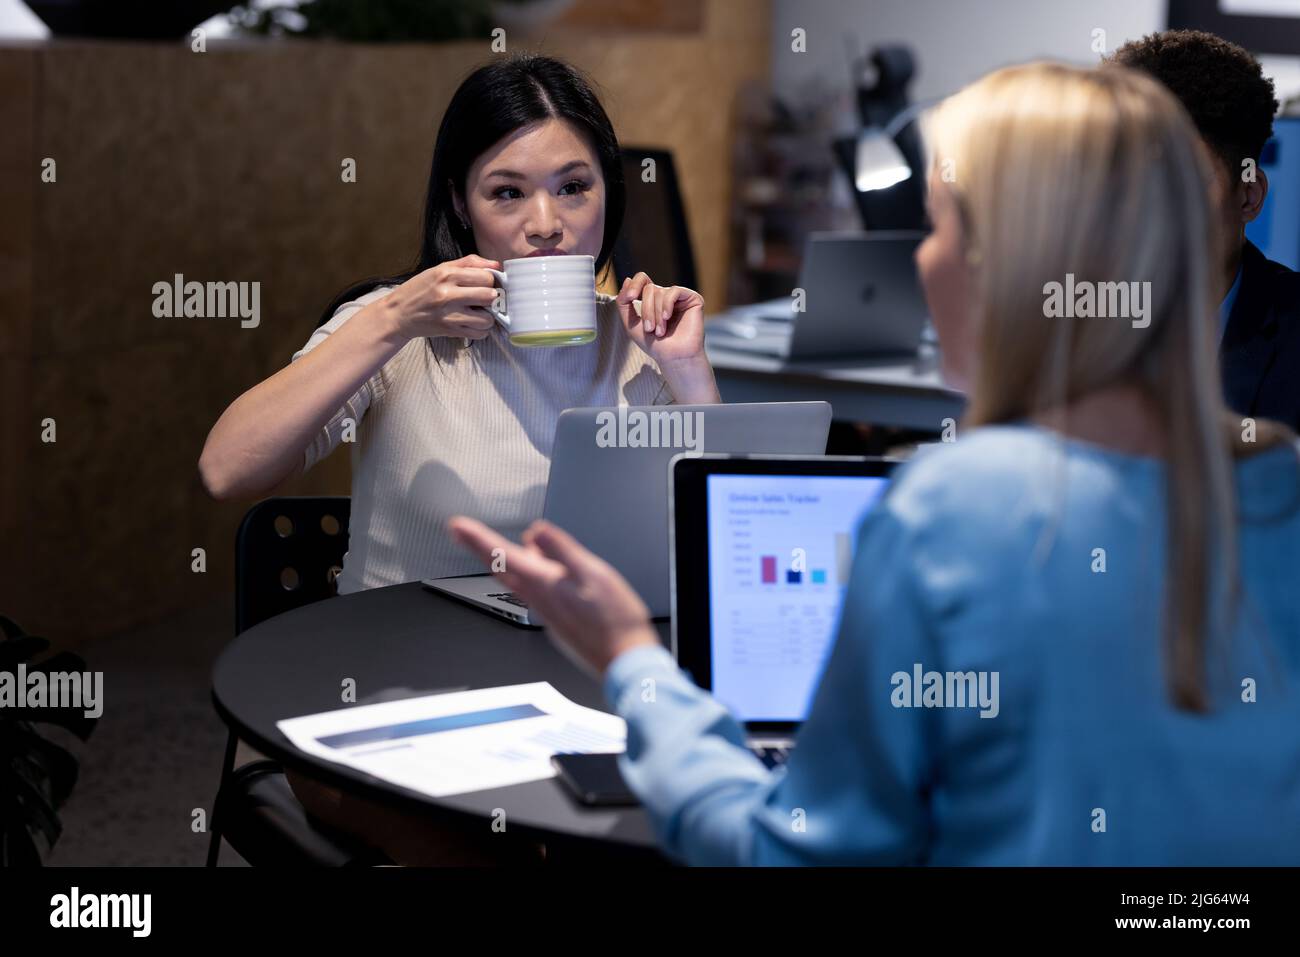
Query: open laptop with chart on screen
point(762, 553)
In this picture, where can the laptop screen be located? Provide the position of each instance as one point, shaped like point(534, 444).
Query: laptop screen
point(780, 550)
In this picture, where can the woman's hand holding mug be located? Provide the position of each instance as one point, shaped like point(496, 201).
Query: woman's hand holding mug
point(449, 299)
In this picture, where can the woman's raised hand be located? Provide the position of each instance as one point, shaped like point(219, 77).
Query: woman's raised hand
point(589, 608)
point(670, 324)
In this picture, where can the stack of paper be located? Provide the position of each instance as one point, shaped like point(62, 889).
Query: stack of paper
point(461, 741)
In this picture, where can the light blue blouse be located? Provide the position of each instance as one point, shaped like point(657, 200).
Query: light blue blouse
point(1016, 553)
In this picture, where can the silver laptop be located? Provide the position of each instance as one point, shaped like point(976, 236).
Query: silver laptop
point(608, 484)
point(862, 298)
point(762, 550)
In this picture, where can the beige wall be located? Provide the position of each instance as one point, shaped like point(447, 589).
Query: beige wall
point(225, 166)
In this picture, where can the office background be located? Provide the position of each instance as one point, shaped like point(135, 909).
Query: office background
point(170, 162)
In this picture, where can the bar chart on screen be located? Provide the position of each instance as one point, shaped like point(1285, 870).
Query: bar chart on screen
point(780, 558)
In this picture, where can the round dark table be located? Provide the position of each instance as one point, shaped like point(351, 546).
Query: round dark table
point(403, 641)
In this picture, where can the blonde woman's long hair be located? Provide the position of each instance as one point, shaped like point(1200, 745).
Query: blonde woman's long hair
point(1100, 174)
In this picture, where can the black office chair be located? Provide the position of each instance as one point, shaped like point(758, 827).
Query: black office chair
point(288, 552)
point(654, 238)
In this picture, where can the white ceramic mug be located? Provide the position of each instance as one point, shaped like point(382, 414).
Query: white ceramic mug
point(549, 300)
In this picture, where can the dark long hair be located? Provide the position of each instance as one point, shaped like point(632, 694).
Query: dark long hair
point(492, 102)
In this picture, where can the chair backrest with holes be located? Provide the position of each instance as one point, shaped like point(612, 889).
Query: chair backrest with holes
point(288, 552)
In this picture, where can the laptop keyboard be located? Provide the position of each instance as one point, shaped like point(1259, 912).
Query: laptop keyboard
point(771, 757)
point(510, 597)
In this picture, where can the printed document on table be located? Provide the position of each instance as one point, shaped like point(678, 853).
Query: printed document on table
point(459, 741)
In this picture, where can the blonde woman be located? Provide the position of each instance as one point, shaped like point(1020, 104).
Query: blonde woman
point(1102, 536)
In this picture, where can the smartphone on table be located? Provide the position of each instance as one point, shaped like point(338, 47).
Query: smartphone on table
point(594, 779)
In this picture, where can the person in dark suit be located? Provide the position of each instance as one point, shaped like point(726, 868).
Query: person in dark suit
point(1231, 102)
